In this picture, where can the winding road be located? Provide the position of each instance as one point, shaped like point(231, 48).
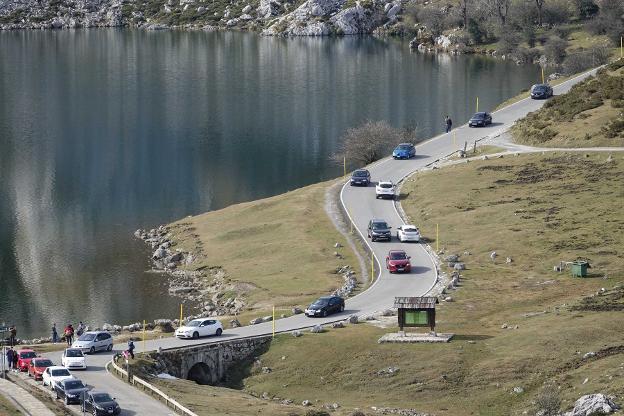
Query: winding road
point(361, 206)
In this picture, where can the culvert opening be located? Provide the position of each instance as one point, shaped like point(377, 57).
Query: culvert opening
point(200, 373)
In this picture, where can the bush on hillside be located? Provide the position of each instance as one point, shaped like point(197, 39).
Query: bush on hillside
point(433, 18)
point(609, 21)
point(586, 9)
point(585, 58)
point(555, 50)
point(556, 12)
point(548, 402)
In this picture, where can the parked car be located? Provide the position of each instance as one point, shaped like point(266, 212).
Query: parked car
point(379, 230)
point(404, 151)
point(480, 119)
point(74, 359)
point(408, 232)
point(384, 189)
point(54, 374)
point(37, 367)
point(541, 91)
point(325, 305)
point(70, 390)
point(24, 357)
point(99, 403)
point(398, 261)
point(93, 341)
point(360, 177)
point(200, 328)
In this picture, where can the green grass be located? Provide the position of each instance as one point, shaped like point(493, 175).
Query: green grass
point(590, 114)
point(518, 207)
point(275, 251)
point(7, 408)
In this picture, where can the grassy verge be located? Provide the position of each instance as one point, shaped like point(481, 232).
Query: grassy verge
point(481, 151)
point(275, 251)
point(591, 114)
point(7, 408)
point(517, 207)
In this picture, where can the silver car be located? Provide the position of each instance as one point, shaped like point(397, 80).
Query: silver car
point(93, 341)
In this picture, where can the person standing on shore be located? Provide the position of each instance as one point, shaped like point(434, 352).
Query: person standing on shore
point(9, 357)
point(449, 123)
point(69, 334)
point(54, 334)
point(12, 335)
point(80, 329)
point(131, 349)
point(15, 359)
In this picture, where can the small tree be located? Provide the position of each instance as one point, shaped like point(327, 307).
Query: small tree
point(369, 142)
point(555, 50)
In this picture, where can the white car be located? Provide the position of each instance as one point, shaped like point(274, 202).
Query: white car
point(384, 189)
point(94, 341)
point(73, 358)
point(408, 232)
point(200, 328)
point(54, 374)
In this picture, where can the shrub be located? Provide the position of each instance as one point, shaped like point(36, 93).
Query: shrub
point(548, 401)
point(609, 21)
point(555, 50)
point(586, 8)
point(476, 31)
point(585, 59)
point(433, 18)
point(556, 12)
point(313, 412)
point(528, 33)
point(508, 41)
point(369, 142)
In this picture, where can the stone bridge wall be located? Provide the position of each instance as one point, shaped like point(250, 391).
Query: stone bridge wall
point(208, 363)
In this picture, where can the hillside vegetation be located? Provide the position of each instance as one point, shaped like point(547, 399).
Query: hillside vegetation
point(517, 324)
point(591, 114)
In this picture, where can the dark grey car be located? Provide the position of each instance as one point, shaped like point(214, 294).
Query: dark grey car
point(99, 403)
point(360, 177)
point(70, 390)
point(379, 230)
point(480, 119)
point(541, 91)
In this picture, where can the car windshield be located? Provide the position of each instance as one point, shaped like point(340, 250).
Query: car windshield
point(73, 353)
point(539, 88)
point(194, 323)
point(102, 397)
point(380, 226)
point(398, 256)
point(60, 372)
point(404, 147)
point(360, 173)
point(43, 363)
point(28, 354)
point(73, 384)
point(385, 185)
point(321, 302)
point(479, 115)
point(87, 337)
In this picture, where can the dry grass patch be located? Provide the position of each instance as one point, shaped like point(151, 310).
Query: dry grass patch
point(276, 251)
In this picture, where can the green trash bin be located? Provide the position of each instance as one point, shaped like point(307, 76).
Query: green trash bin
point(579, 268)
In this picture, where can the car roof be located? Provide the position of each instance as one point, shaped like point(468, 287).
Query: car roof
point(72, 379)
point(380, 182)
point(480, 113)
point(397, 251)
point(541, 85)
point(73, 349)
point(361, 170)
point(378, 220)
point(408, 226)
point(26, 350)
point(405, 144)
point(57, 367)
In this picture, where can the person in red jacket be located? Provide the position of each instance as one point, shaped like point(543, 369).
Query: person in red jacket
point(69, 334)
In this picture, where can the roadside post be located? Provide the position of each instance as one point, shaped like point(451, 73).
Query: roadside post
point(180, 323)
point(477, 105)
point(144, 337)
point(542, 75)
point(273, 321)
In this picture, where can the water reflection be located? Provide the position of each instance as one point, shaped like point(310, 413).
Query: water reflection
point(104, 131)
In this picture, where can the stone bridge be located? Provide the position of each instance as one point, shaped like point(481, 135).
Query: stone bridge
point(208, 363)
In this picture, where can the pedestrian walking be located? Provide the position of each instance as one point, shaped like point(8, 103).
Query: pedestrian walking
point(131, 349)
point(15, 359)
point(69, 334)
point(80, 329)
point(449, 123)
point(54, 334)
point(9, 357)
point(12, 335)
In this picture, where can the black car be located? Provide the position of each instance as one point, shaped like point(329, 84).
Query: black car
point(539, 91)
point(70, 390)
point(100, 403)
point(325, 305)
point(480, 119)
point(360, 177)
point(379, 230)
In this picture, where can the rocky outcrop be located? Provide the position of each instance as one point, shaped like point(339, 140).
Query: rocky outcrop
point(593, 404)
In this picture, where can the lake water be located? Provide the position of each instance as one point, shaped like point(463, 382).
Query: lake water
point(105, 131)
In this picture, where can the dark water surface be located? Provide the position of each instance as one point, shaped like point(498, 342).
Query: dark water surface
point(104, 131)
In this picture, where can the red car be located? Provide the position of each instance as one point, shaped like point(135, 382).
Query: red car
point(25, 356)
point(37, 367)
point(398, 261)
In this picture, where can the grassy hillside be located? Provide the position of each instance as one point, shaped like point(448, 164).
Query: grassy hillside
point(276, 251)
point(591, 114)
point(517, 207)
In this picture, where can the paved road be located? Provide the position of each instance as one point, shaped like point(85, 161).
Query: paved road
point(362, 206)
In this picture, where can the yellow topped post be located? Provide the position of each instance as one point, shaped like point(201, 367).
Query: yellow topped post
point(621, 47)
point(542, 75)
point(180, 323)
point(273, 321)
point(144, 335)
point(477, 104)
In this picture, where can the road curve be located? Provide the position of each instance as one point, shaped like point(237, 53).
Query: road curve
point(361, 206)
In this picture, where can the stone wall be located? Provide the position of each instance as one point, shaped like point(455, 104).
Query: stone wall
point(208, 363)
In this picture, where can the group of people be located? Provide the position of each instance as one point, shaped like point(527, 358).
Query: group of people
point(12, 356)
point(68, 333)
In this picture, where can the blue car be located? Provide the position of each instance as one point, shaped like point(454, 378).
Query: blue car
point(404, 151)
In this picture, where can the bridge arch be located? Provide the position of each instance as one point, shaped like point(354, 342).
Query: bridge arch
point(200, 373)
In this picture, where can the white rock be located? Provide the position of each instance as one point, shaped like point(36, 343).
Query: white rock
point(247, 9)
point(593, 404)
point(393, 11)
